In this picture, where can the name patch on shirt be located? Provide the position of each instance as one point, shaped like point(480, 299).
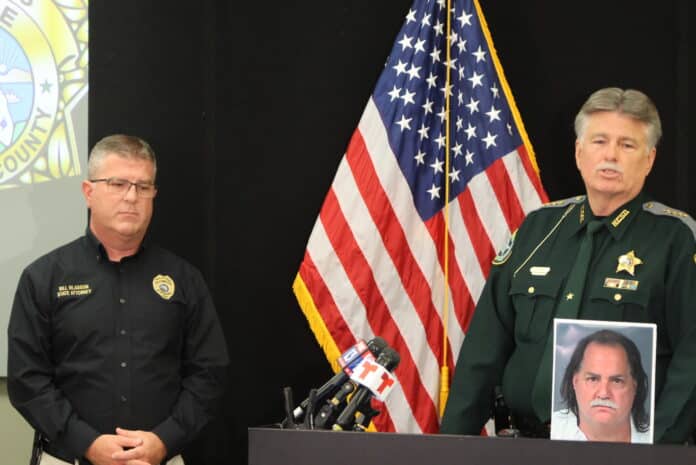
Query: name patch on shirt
point(70, 290)
point(540, 270)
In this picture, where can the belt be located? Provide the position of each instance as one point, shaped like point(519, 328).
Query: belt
point(531, 427)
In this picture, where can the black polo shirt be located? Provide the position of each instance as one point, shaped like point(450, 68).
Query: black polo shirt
point(95, 344)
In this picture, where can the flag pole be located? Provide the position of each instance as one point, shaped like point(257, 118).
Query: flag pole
point(444, 368)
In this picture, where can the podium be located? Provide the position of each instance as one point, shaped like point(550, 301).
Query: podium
point(283, 447)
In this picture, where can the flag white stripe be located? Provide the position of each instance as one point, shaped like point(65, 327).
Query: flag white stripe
point(488, 210)
point(464, 252)
point(526, 193)
point(337, 282)
point(400, 412)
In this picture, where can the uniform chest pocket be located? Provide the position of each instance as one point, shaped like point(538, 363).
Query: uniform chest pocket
point(78, 311)
point(158, 324)
point(534, 299)
point(165, 314)
point(618, 304)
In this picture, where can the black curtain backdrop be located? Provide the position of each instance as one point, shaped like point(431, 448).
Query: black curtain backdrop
point(250, 107)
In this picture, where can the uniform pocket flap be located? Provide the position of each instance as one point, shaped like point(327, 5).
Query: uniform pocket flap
point(535, 286)
point(622, 293)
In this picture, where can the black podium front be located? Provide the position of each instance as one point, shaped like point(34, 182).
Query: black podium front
point(296, 447)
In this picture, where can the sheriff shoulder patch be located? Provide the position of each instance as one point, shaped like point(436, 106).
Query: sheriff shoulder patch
point(505, 252)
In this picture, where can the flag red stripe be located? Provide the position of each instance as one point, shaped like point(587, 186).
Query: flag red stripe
point(325, 304)
point(360, 275)
point(395, 241)
point(506, 194)
point(461, 297)
point(383, 421)
point(480, 241)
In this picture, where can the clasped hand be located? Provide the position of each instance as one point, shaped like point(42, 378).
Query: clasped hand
point(127, 447)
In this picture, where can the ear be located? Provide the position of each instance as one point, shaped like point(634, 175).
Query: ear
point(651, 160)
point(577, 153)
point(87, 191)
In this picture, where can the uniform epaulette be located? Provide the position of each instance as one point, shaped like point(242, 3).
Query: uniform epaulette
point(657, 208)
point(565, 202)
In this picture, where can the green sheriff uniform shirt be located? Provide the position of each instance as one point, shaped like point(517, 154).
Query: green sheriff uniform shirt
point(514, 315)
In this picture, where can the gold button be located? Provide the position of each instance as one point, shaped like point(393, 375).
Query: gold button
point(617, 297)
point(531, 289)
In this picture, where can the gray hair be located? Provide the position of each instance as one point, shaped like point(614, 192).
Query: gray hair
point(122, 145)
point(630, 102)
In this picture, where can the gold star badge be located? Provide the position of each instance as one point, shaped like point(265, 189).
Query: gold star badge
point(570, 296)
point(628, 263)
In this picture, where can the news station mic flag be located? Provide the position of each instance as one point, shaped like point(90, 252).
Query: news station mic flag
point(388, 253)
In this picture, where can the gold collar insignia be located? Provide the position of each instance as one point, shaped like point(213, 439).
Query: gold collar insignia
point(620, 217)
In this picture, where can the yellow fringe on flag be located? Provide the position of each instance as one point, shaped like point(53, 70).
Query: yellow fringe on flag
point(316, 323)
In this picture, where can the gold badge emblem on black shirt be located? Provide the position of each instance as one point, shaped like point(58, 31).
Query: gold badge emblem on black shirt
point(164, 286)
point(628, 263)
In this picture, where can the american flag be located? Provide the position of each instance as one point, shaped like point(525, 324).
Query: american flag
point(374, 264)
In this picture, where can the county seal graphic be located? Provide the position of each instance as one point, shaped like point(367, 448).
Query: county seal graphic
point(43, 90)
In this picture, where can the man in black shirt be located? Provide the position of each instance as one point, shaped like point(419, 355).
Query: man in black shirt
point(116, 354)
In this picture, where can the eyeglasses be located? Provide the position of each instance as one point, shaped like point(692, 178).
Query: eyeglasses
point(119, 186)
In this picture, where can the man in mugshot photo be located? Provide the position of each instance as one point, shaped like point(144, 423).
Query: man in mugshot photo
point(604, 389)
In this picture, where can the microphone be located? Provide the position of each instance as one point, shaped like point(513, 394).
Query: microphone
point(364, 417)
point(288, 403)
point(327, 414)
point(348, 360)
point(388, 359)
point(312, 400)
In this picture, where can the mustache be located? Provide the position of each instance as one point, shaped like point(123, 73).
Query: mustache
point(603, 403)
point(607, 165)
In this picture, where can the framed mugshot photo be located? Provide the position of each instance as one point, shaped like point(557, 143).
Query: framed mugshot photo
point(603, 381)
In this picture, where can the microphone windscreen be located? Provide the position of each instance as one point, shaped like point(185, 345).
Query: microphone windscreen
point(389, 358)
point(376, 345)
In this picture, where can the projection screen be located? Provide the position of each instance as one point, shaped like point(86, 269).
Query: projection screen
point(43, 135)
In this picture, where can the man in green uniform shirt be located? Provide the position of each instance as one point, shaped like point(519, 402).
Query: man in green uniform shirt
point(613, 254)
